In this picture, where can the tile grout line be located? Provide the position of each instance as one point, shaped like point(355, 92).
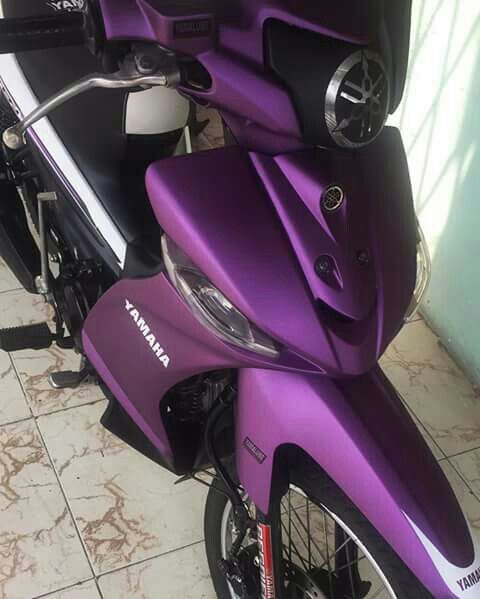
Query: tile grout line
point(464, 480)
point(27, 397)
point(34, 417)
point(22, 387)
point(67, 408)
point(98, 587)
point(96, 578)
point(461, 453)
point(150, 558)
point(61, 589)
point(11, 290)
point(4, 424)
point(67, 502)
point(446, 458)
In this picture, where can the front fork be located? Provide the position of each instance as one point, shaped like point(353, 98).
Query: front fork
point(270, 558)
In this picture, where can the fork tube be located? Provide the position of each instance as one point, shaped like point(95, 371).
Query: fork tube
point(270, 556)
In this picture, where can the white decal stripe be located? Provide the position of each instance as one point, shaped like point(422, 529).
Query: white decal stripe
point(25, 100)
point(462, 582)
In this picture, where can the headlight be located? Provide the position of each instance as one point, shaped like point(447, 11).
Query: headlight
point(424, 273)
point(210, 306)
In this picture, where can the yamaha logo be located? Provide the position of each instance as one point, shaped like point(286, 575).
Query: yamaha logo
point(358, 99)
point(66, 5)
point(146, 331)
point(332, 198)
point(467, 582)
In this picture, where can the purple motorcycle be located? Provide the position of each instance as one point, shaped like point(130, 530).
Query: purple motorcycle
point(234, 303)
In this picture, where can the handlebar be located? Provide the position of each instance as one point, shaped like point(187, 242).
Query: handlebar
point(42, 32)
point(13, 136)
point(162, 70)
point(142, 66)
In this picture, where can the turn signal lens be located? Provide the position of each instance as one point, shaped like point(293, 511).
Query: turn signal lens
point(424, 274)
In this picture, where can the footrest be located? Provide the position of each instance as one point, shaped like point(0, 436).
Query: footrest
point(32, 336)
point(69, 379)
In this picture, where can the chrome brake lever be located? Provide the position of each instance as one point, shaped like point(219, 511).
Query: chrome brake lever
point(128, 78)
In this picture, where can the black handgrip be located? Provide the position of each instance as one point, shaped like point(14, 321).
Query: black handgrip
point(37, 33)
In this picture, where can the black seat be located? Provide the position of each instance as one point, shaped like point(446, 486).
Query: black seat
point(91, 128)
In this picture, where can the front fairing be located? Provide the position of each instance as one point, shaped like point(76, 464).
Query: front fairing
point(254, 225)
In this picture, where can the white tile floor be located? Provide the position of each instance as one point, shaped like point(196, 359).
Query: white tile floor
point(83, 516)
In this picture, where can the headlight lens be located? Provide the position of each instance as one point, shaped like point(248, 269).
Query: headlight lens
point(424, 273)
point(210, 306)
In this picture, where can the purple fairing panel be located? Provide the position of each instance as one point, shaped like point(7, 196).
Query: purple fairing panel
point(165, 22)
point(232, 48)
point(234, 233)
point(376, 221)
point(360, 433)
point(143, 340)
point(239, 23)
point(256, 96)
point(235, 86)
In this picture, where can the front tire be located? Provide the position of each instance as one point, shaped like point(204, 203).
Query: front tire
point(322, 494)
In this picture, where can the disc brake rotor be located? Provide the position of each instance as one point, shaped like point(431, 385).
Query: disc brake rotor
point(302, 585)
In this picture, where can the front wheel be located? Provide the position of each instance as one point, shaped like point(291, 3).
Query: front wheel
point(330, 551)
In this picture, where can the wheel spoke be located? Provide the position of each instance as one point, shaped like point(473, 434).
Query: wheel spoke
point(319, 563)
point(290, 523)
point(350, 573)
point(311, 540)
point(344, 567)
point(325, 532)
point(293, 546)
point(298, 531)
point(309, 536)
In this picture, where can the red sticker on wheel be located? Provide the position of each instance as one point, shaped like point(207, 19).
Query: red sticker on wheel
point(267, 574)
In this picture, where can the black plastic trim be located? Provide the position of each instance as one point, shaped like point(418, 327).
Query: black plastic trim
point(17, 246)
point(305, 63)
point(116, 420)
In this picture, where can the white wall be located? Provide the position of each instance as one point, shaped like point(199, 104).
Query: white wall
point(440, 122)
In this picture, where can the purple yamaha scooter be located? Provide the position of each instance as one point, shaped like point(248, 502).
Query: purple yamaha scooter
point(234, 307)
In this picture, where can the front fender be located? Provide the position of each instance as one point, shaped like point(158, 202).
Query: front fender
point(362, 436)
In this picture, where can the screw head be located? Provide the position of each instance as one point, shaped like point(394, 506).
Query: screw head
point(363, 258)
point(324, 266)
